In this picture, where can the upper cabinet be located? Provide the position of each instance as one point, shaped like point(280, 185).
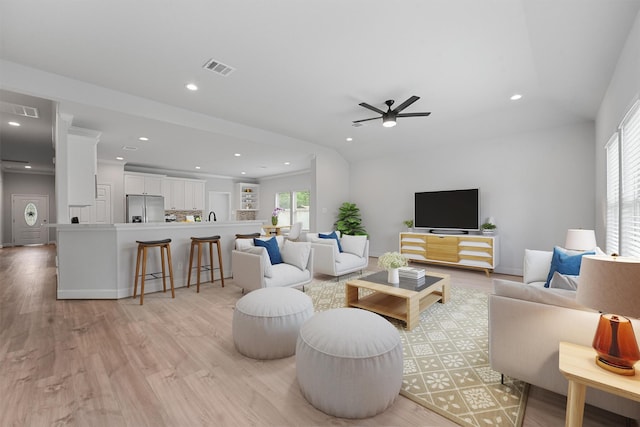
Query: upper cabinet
point(81, 166)
point(184, 194)
point(248, 196)
point(139, 183)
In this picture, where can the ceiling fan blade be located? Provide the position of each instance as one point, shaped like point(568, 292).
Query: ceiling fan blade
point(366, 120)
point(406, 103)
point(371, 107)
point(413, 115)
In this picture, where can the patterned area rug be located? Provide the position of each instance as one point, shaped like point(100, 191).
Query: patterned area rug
point(446, 359)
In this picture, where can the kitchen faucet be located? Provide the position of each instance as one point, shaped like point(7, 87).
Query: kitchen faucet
point(214, 216)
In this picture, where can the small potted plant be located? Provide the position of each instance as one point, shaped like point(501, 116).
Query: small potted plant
point(409, 224)
point(488, 228)
point(274, 215)
point(392, 261)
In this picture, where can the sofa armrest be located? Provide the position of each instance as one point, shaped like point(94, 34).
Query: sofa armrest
point(248, 270)
point(324, 259)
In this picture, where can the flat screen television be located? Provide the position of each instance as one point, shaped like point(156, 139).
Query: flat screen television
point(451, 210)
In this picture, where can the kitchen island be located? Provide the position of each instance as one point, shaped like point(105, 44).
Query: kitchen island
point(98, 261)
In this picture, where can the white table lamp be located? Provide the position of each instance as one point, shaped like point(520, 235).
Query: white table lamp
point(580, 240)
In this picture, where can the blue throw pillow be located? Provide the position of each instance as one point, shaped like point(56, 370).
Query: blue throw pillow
point(565, 262)
point(272, 249)
point(333, 235)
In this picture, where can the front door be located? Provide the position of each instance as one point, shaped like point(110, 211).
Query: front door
point(29, 218)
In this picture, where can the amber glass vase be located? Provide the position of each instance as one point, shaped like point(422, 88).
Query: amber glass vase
point(616, 345)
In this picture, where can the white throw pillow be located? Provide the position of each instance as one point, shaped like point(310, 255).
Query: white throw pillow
point(244, 244)
point(296, 253)
point(564, 281)
point(353, 244)
point(536, 265)
point(259, 250)
point(329, 242)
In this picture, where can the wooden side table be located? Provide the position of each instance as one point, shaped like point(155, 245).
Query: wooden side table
point(577, 364)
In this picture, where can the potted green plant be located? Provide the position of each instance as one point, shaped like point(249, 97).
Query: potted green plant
point(488, 228)
point(409, 224)
point(349, 221)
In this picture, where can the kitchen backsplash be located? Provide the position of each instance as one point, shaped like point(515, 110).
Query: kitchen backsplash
point(245, 215)
point(182, 215)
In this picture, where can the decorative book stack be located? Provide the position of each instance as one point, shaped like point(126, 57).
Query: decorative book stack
point(412, 274)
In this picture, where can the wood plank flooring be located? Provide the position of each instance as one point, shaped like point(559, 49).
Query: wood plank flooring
point(166, 363)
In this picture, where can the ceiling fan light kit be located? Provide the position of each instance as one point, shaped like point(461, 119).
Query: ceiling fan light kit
point(389, 116)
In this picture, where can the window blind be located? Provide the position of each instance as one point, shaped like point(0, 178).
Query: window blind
point(613, 195)
point(629, 237)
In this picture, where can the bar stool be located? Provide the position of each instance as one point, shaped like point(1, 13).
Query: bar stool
point(142, 251)
point(247, 236)
point(198, 242)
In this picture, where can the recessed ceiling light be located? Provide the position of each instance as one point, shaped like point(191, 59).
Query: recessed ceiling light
point(14, 124)
point(349, 139)
point(197, 167)
point(119, 158)
point(515, 97)
point(191, 86)
point(27, 167)
point(237, 154)
point(243, 173)
point(287, 163)
point(143, 138)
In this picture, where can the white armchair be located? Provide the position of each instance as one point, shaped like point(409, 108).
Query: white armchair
point(329, 260)
point(252, 268)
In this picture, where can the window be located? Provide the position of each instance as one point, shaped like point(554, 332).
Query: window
point(294, 212)
point(623, 186)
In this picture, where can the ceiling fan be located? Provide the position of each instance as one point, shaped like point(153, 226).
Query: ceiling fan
point(389, 117)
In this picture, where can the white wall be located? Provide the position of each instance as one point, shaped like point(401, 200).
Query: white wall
point(536, 186)
point(329, 189)
point(623, 91)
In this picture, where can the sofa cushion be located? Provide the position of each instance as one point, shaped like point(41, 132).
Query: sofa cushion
point(257, 250)
point(565, 262)
point(296, 253)
point(558, 297)
point(272, 249)
point(353, 244)
point(348, 261)
point(563, 281)
point(329, 242)
point(285, 274)
point(333, 235)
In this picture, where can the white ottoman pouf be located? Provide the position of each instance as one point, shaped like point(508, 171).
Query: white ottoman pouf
point(349, 362)
point(266, 322)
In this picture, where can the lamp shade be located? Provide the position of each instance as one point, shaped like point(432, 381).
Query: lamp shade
point(580, 240)
point(610, 284)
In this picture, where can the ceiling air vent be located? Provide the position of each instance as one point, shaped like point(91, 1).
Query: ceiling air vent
point(20, 110)
point(218, 67)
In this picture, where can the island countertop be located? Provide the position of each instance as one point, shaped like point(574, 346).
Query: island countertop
point(97, 261)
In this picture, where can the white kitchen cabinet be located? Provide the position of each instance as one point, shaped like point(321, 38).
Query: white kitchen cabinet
point(194, 195)
point(138, 183)
point(81, 166)
point(174, 193)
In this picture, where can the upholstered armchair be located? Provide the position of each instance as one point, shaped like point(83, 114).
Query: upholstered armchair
point(339, 255)
point(257, 267)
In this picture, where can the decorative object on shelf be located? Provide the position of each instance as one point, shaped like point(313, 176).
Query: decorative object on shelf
point(580, 240)
point(274, 215)
point(349, 220)
point(489, 226)
point(392, 261)
point(610, 284)
point(409, 224)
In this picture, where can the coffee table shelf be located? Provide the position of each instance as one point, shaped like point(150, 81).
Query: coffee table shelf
point(395, 302)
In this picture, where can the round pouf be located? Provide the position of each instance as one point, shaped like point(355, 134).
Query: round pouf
point(349, 362)
point(266, 322)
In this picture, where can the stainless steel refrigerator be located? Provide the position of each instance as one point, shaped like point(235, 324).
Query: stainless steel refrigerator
point(141, 208)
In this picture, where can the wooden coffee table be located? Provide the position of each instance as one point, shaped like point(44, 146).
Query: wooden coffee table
point(399, 302)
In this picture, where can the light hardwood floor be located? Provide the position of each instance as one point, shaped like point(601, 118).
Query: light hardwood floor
point(166, 363)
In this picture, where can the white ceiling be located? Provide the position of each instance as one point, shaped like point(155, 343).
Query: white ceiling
point(302, 68)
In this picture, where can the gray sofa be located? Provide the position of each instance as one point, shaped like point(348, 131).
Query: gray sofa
point(527, 323)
